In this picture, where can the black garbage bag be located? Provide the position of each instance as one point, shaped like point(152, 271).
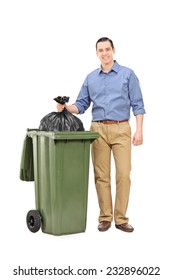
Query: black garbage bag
point(61, 121)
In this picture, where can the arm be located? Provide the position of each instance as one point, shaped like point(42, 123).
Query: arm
point(136, 101)
point(72, 109)
point(82, 103)
point(138, 136)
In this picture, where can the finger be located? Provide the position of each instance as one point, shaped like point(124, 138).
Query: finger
point(59, 107)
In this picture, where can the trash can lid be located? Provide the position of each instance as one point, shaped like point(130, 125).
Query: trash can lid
point(64, 135)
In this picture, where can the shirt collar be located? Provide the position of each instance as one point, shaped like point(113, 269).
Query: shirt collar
point(114, 68)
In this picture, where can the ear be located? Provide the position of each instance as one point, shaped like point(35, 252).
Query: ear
point(114, 51)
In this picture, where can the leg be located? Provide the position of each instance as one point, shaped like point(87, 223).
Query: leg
point(101, 156)
point(122, 155)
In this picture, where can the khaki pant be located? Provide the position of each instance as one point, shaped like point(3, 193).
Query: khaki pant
point(115, 138)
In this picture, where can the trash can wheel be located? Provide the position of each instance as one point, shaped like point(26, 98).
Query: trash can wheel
point(33, 220)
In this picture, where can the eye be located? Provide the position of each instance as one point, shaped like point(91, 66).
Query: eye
point(108, 49)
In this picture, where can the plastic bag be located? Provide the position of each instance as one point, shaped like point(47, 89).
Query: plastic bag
point(61, 121)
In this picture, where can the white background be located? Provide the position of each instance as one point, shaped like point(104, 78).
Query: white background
point(47, 48)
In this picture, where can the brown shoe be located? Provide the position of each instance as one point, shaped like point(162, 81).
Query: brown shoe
point(125, 227)
point(104, 225)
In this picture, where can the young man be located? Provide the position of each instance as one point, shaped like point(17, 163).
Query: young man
point(113, 90)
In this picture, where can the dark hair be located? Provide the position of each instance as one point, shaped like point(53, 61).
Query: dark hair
point(104, 39)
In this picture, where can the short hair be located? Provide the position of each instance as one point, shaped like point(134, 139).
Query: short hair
point(104, 39)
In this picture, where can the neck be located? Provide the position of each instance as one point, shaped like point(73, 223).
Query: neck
point(107, 67)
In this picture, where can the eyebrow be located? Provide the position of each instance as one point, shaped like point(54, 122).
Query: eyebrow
point(108, 48)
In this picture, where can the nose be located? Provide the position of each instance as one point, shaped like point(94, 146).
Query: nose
point(105, 52)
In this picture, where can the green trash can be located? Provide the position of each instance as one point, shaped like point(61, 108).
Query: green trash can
point(61, 171)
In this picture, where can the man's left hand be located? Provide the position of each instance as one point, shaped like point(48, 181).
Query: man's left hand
point(137, 139)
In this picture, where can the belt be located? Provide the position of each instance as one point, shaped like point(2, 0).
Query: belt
point(112, 122)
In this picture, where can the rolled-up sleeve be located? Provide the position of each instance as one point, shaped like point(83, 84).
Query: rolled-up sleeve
point(135, 95)
point(83, 100)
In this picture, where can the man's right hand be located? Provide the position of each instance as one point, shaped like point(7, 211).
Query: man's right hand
point(71, 108)
point(60, 107)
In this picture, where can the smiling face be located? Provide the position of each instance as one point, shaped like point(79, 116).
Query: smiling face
point(105, 53)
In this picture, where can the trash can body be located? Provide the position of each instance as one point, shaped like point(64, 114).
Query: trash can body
point(61, 172)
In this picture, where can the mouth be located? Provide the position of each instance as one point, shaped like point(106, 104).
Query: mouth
point(105, 58)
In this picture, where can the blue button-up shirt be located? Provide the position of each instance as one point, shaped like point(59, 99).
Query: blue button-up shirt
point(112, 94)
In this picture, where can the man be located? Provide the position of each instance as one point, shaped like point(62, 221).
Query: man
point(113, 90)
